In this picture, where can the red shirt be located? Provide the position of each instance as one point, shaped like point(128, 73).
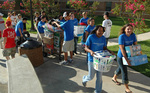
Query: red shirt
point(11, 35)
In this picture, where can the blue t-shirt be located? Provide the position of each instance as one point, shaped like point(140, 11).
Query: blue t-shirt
point(68, 30)
point(126, 41)
point(95, 44)
point(62, 21)
point(89, 28)
point(19, 25)
point(84, 20)
point(75, 21)
point(40, 28)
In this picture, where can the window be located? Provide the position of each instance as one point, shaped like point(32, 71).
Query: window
point(108, 6)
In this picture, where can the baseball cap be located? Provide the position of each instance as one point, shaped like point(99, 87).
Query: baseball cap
point(8, 23)
point(1, 14)
point(65, 14)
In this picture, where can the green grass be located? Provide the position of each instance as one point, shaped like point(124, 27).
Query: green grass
point(28, 26)
point(145, 68)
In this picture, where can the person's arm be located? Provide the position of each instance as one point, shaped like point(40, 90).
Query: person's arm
point(86, 34)
point(57, 24)
point(87, 46)
point(124, 54)
point(135, 43)
point(89, 50)
point(5, 39)
point(20, 32)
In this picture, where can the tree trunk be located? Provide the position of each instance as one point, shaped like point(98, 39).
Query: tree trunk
point(17, 6)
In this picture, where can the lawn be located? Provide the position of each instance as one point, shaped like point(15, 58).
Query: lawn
point(145, 68)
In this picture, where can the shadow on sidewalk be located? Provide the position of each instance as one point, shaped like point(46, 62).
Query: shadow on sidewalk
point(140, 88)
point(57, 79)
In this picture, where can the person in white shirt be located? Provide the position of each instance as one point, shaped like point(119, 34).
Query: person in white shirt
point(14, 19)
point(19, 17)
point(107, 23)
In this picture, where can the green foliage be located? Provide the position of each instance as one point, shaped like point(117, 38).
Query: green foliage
point(135, 10)
point(93, 8)
point(51, 9)
point(9, 5)
point(79, 5)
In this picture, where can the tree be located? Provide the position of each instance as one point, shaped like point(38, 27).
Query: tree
point(80, 5)
point(9, 5)
point(135, 10)
point(51, 9)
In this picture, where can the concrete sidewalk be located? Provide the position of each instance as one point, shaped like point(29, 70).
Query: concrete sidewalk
point(67, 79)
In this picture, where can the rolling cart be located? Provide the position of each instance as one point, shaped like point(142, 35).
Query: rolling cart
point(52, 45)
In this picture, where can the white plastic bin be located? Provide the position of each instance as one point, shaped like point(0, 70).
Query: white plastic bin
point(79, 30)
point(102, 61)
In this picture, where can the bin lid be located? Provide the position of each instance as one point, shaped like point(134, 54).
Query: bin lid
point(30, 44)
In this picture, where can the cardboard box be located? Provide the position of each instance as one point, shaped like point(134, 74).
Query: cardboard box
point(49, 41)
point(134, 50)
point(136, 60)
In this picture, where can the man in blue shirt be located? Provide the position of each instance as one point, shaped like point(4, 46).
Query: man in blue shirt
point(41, 28)
point(68, 44)
point(19, 28)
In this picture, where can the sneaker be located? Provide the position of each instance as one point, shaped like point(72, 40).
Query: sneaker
point(70, 61)
point(64, 63)
point(84, 84)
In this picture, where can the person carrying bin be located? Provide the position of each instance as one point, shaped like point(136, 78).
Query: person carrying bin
point(95, 42)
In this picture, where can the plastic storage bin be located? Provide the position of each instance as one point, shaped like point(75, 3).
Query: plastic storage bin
point(102, 61)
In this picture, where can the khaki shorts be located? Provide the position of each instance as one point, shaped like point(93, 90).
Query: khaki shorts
point(9, 51)
point(68, 46)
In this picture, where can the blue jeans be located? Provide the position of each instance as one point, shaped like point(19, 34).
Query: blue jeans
point(75, 44)
point(107, 41)
point(122, 69)
point(90, 76)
